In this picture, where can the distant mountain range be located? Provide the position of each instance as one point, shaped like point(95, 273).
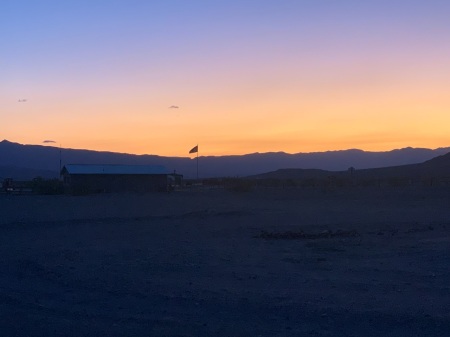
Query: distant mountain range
point(23, 162)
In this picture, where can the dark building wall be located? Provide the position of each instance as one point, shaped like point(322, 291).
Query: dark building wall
point(106, 183)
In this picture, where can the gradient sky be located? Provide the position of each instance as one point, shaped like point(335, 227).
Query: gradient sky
point(247, 75)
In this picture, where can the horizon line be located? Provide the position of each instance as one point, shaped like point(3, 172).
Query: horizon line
point(230, 155)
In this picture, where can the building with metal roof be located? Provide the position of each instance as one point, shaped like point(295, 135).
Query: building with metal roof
point(84, 179)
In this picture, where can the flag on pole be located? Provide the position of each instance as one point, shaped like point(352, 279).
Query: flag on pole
point(194, 149)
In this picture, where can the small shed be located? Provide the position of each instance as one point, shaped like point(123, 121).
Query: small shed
point(83, 179)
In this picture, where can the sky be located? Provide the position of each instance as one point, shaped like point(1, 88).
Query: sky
point(233, 76)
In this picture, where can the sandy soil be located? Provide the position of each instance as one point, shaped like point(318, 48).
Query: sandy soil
point(216, 263)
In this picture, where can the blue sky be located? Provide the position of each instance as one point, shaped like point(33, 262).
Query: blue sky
point(294, 76)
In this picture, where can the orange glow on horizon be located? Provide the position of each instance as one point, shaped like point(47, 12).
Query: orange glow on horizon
point(371, 122)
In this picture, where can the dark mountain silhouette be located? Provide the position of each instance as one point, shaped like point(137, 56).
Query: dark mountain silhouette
point(27, 161)
point(438, 167)
point(45, 160)
point(295, 174)
point(20, 173)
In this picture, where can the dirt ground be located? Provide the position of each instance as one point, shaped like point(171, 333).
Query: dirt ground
point(286, 262)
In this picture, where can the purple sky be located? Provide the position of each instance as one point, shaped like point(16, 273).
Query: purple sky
point(247, 76)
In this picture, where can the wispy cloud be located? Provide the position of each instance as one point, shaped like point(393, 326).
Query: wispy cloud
point(48, 141)
point(174, 107)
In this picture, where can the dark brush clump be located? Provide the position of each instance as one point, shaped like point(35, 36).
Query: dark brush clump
point(307, 236)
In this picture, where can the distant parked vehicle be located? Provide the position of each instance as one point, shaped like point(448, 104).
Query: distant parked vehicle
point(7, 185)
point(15, 187)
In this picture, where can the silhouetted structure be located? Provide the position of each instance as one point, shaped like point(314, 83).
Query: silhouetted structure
point(83, 179)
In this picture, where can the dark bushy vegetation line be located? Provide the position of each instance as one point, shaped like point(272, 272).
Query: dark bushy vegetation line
point(46, 186)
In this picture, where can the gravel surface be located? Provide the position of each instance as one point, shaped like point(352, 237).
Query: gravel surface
point(290, 262)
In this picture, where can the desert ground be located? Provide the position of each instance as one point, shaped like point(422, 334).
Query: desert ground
point(211, 262)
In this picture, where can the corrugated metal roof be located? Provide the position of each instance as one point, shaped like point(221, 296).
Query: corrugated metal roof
point(115, 169)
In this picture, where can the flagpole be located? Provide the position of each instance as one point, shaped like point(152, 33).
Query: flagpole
point(193, 150)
